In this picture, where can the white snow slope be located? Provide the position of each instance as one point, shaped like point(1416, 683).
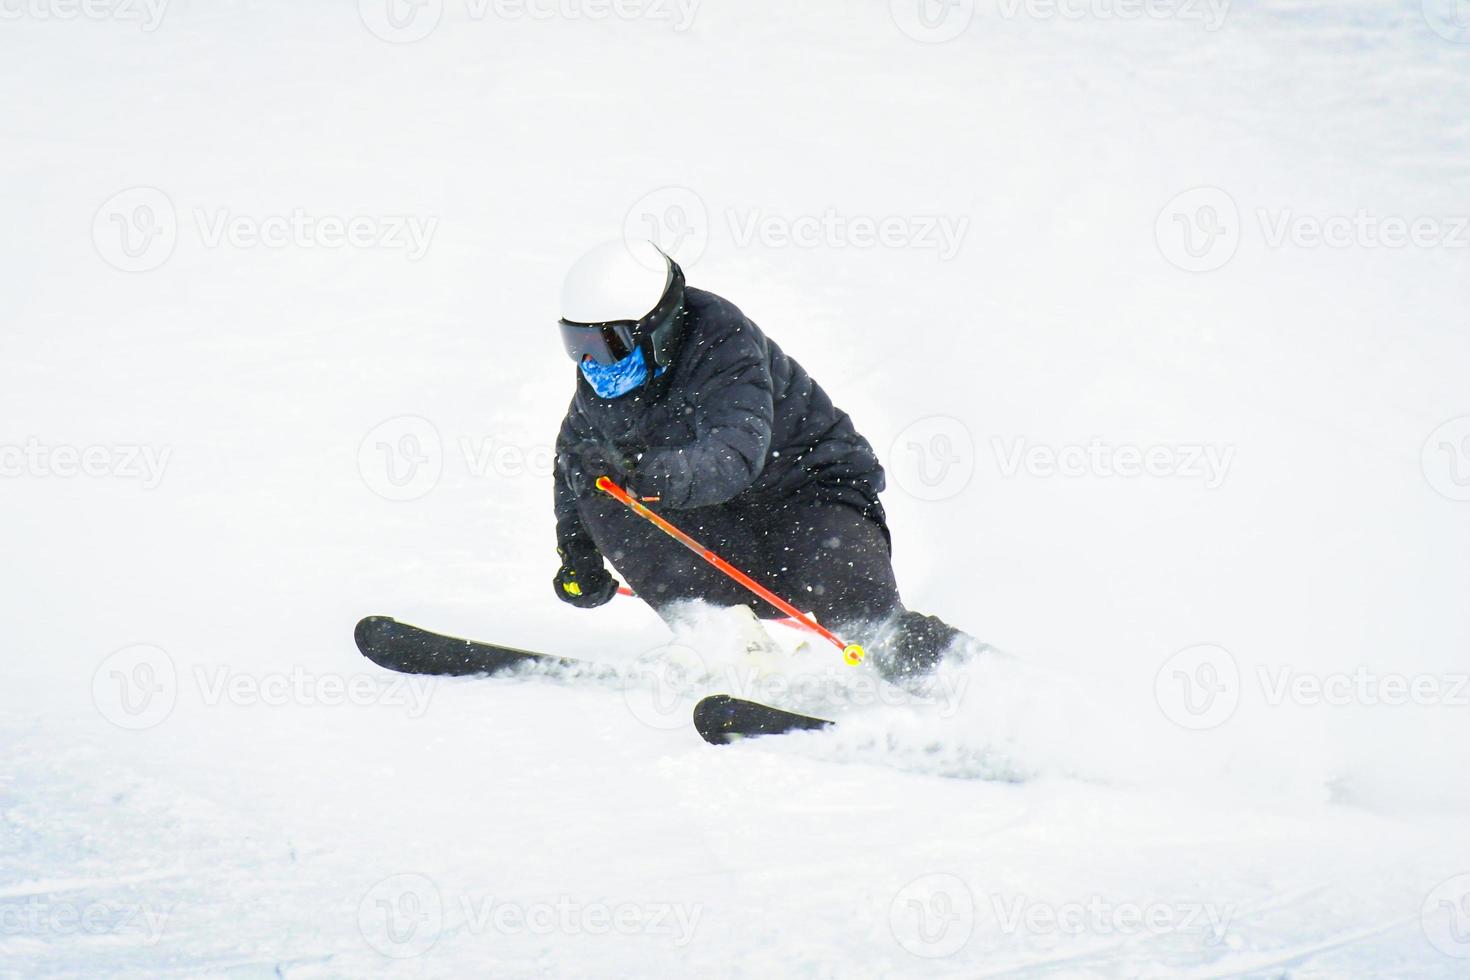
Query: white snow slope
point(277, 351)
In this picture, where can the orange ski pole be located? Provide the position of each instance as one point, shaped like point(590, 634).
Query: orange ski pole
point(851, 652)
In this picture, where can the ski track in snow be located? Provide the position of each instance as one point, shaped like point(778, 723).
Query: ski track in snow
point(263, 827)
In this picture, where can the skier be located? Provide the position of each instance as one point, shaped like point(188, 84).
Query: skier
point(680, 397)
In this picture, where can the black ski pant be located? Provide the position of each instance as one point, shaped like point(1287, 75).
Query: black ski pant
point(824, 557)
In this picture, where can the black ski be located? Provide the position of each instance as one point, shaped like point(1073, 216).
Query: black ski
point(721, 719)
point(410, 650)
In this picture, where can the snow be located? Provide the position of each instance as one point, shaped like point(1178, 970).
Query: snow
point(200, 776)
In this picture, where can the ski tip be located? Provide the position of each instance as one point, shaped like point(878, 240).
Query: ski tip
point(712, 719)
point(367, 630)
point(721, 719)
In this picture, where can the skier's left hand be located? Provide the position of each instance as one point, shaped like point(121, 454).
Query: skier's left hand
point(582, 580)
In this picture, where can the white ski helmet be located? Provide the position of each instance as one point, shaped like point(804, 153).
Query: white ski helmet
point(619, 297)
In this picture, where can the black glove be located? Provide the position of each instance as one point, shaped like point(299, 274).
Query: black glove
point(582, 579)
point(596, 460)
point(652, 475)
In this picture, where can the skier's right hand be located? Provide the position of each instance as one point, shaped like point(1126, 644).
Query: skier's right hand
point(582, 579)
point(599, 460)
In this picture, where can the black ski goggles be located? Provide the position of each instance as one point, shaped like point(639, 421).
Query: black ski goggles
point(610, 342)
point(605, 343)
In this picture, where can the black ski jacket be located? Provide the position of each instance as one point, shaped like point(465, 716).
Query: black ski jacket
point(731, 418)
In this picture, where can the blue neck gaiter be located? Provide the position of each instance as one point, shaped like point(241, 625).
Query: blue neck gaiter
point(616, 379)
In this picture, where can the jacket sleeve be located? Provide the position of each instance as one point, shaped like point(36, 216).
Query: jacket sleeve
point(734, 409)
point(570, 534)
